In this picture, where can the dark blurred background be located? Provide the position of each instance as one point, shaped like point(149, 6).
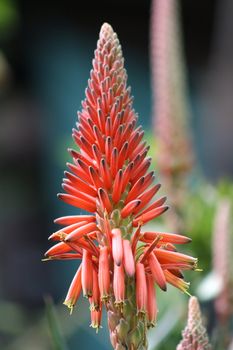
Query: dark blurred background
point(46, 50)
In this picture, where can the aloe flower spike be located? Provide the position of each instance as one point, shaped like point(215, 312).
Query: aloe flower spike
point(109, 177)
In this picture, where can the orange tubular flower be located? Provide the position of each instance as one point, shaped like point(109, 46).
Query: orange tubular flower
point(96, 316)
point(141, 289)
point(129, 263)
point(95, 298)
point(119, 284)
point(74, 290)
point(87, 274)
point(151, 301)
point(110, 178)
point(117, 248)
point(104, 274)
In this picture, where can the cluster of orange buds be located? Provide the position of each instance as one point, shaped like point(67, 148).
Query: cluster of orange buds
point(109, 178)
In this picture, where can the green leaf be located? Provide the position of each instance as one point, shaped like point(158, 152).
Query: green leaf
point(58, 341)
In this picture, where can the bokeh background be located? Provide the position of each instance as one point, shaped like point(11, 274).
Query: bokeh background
point(46, 50)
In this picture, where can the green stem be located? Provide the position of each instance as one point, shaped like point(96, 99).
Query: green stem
point(127, 328)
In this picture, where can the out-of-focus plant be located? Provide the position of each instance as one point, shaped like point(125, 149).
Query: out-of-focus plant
point(170, 108)
point(194, 335)
point(56, 336)
point(9, 18)
point(222, 269)
point(222, 260)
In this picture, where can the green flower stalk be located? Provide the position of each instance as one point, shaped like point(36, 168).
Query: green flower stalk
point(109, 177)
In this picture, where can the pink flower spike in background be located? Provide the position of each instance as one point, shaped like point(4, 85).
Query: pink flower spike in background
point(109, 177)
point(171, 111)
point(222, 260)
point(194, 335)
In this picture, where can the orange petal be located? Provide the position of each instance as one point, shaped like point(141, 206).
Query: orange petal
point(74, 290)
point(175, 257)
point(135, 190)
point(126, 175)
point(117, 248)
point(147, 196)
point(135, 238)
point(166, 237)
point(176, 281)
point(58, 248)
point(157, 271)
point(129, 208)
point(114, 162)
point(81, 195)
point(104, 200)
point(95, 298)
point(108, 149)
point(87, 274)
point(80, 232)
point(119, 284)
point(96, 316)
point(95, 178)
point(158, 203)
point(117, 186)
point(142, 219)
point(56, 236)
point(141, 169)
point(104, 274)
point(73, 219)
point(129, 263)
point(141, 289)
point(151, 301)
point(76, 202)
point(105, 173)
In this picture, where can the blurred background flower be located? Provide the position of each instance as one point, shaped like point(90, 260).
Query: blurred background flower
point(45, 53)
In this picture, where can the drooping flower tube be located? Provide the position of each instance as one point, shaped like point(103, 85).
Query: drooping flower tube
point(109, 177)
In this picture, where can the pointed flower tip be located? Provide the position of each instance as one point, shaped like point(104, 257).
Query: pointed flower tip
point(106, 27)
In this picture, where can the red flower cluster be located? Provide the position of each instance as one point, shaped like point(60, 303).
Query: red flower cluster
point(109, 177)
